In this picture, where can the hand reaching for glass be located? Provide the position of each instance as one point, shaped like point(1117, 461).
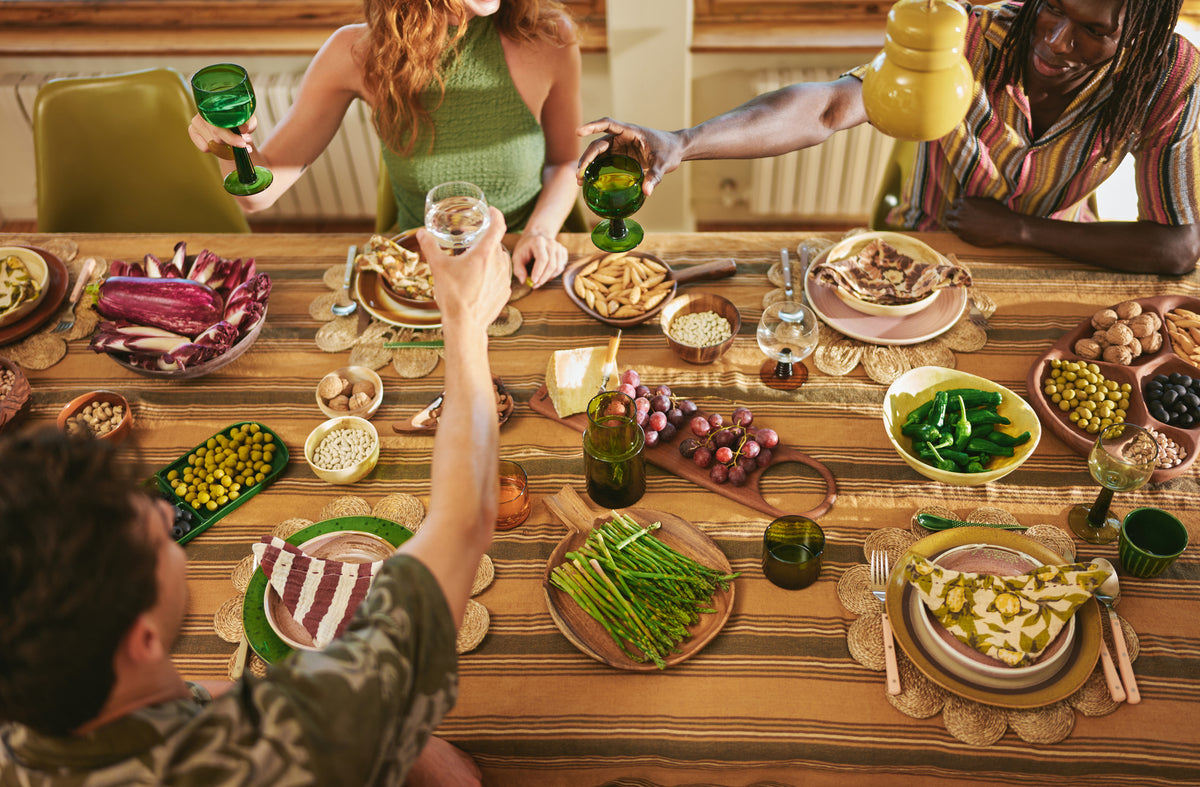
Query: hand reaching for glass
point(473, 285)
point(659, 152)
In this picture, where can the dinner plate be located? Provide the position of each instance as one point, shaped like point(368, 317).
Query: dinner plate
point(585, 633)
point(56, 292)
point(261, 637)
point(371, 293)
point(1078, 664)
point(940, 316)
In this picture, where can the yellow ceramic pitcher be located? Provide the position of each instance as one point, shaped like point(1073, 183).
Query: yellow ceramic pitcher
point(919, 86)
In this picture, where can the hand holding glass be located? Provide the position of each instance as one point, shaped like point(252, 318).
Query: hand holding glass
point(225, 98)
point(612, 188)
point(787, 333)
point(456, 214)
point(1121, 460)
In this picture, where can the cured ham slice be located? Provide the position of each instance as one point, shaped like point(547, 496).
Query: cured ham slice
point(876, 271)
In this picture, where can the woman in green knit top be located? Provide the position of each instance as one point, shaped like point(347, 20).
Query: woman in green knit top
point(480, 90)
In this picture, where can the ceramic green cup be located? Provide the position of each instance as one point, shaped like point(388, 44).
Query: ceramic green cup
point(792, 548)
point(1150, 541)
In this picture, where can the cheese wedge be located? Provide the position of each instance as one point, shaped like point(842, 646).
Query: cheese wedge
point(573, 377)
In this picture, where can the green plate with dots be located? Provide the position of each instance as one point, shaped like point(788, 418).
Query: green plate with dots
point(205, 518)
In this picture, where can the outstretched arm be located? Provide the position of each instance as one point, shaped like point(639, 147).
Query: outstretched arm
point(1133, 246)
point(791, 118)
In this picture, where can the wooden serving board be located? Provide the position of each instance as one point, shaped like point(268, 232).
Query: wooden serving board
point(667, 456)
point(582, 630)
point(1143, 369)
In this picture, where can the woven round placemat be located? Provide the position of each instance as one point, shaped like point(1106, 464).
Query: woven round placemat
point(1093, 697)
point(935, 510)
point(1055, 538)
point(518, 291)
point(242, 573)
point(884, 364)
point(919, 697)
point(508, 322)
point(474, 626)
point(346, 505)
point(865, 640)
point(321, 306)
point(228, 619)
point(372, 356)
point(965, 337)
point(38, 351)
point(934, 353)
point(892, 540)
point(1048, 724)
point(412, 362)
point(990, 515)
point(63, 248)
point(983, 302)
point(839, 357)
point(853, 590)
point(401, 508)
point(334, 276)
point(773, 296)
point(338, 334)
point(290, 527)
point(973, 723)
point(483, 575)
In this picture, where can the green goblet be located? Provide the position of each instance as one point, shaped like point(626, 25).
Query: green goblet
point(225, 98)
point(612, 188)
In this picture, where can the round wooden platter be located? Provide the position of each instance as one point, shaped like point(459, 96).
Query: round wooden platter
point(586, 633)
point(1137, 374)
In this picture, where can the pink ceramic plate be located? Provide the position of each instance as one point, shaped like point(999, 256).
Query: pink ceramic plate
point(930, 322)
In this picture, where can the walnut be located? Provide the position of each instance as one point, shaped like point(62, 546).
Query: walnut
point(330, 386)
point(1128, 309)
point(1143, 324)
point(1088, 349)
point(1134, 347)
point(359, 400)
point(1103, 318)
point(1100, 337)
point(363, 387)
point(1154, 316)
point(1119, 333)
point(1118, 354)
point(1151, 343)
point(339, 402)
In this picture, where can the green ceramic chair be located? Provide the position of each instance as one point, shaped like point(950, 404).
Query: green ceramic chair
point(386, 212)
point(112, 154)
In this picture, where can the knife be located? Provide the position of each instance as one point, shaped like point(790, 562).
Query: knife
point(610, 361)
point(933, 522)
point(787, 274)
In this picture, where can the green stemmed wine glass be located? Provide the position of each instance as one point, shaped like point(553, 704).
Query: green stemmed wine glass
point(225, 98)
point(612, 188)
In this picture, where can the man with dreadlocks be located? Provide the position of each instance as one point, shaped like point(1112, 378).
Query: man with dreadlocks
point(1065, 89)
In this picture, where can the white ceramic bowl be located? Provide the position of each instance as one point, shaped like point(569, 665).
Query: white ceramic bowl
point(354, 374)
point(917, 386)
point(342, 475)
point(909, 246)
point(962, 660)
point(39, 272)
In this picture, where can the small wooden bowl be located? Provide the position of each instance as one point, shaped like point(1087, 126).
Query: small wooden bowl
point(695, 302)
point(76, 405)
point(14, 406)
point(355, 374)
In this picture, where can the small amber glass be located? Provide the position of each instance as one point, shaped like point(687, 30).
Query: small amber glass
point(792, 549)
point(514, 496)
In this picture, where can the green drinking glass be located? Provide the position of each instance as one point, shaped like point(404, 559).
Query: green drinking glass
point(225, 98)
point(612, 189)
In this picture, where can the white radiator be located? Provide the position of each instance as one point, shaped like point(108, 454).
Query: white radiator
point(836, 179)
point(341, 183)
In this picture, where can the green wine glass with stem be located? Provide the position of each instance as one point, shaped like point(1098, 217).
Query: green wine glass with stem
point(612, 189)
point(225, 98)
point(1121, 460)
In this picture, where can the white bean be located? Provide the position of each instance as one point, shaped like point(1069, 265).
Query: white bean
point(343, 448)
point(700, 329)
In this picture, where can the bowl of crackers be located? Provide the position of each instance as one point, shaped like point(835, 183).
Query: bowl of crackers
point(404, 273)
point(351, 390)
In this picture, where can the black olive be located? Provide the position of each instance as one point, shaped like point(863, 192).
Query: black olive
point(1169, 396)
point(1157, 410)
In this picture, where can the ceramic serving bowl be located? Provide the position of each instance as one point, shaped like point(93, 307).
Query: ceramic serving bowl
point(963, 660)
point(696, 303)
point(351, 473)
point(39, 272)
point(917, 386)
point(909, 246)
point(82, 411)
point(407, 240)
point(14, 403)
point(349, 381)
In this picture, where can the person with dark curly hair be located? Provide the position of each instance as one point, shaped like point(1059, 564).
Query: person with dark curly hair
point(1064, 91)
point(93, 589)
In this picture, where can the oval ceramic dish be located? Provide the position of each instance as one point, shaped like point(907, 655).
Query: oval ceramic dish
point(1137, 374)
point(39, 274)
point(1077, 664)
point(57, 279)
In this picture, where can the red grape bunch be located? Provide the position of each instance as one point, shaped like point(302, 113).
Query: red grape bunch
point(731, 451)
point(659, 412)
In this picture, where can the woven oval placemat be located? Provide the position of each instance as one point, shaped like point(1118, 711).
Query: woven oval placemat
point(973, 723)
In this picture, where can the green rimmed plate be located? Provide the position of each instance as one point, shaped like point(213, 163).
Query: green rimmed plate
point(1077, 667)
point(259, 634)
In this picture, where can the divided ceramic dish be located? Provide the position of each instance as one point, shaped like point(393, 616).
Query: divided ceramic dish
point(1143, 369)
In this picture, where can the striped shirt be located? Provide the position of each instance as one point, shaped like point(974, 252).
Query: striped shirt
point(994, 154)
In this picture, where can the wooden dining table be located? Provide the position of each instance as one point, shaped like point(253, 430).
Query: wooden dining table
point(776, 697)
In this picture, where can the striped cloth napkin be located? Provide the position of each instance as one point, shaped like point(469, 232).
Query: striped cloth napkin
point(322, 595)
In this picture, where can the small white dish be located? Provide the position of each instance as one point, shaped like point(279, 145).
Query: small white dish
point(884, 309)
point(39, 273)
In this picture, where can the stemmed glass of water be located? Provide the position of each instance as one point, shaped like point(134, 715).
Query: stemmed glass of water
point(787, 334)
point(457, 215)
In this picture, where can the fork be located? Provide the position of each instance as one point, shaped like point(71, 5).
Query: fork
point(85, 274)
point(976, 315)
point(879, 581)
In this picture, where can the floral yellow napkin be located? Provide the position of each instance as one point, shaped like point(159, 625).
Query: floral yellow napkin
point(1012, 619)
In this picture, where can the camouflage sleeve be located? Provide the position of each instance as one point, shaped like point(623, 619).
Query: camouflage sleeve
point(358, 712)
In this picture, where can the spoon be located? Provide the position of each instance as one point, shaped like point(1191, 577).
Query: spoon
point(347, 308)
point(786, 269)
point(1108, 594)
